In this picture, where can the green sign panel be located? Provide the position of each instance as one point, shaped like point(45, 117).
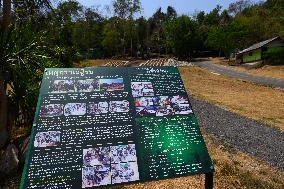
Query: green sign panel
point(105, 126)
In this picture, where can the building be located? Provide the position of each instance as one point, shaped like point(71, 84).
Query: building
point(255, 52)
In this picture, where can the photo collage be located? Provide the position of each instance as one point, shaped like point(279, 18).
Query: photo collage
point(147, 103)
point(140, 89)
point(80, 109)
point(47, 139)
point(86, 85)
point(109, 165)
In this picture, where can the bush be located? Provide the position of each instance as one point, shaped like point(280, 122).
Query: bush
point(274, 56)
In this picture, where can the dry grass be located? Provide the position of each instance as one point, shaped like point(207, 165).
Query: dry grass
point(265, 71)
point(91, 62)
point(257, 102)
point(220, 60)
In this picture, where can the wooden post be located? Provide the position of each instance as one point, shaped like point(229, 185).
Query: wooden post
point(209, 180)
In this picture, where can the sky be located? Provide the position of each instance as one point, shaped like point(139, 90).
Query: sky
point(187, 7)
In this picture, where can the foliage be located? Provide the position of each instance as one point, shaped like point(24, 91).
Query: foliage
point(274, 56)
point(111, 38)
point(23, 57)
point(180, 35)
point(227, 38)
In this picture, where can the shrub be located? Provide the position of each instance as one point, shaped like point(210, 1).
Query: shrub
point(274, 56)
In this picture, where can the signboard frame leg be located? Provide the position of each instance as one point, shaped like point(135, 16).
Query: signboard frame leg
point(209, 180)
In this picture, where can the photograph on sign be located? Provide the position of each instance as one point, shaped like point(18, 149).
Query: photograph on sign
point(146, 101)
point(62, 86)
point(111, 84)
point(96, 176)
point(76, 109)
point(182, 109)
point(124, 172)
point(119, 106)
point(162, 106)
point(140, 89)
point(97, 108)
point(96, 156)
point(87, 85)
point(123, 153)
point(52, 110)
point(146, 110)
point(47, 139)
point(179, 99)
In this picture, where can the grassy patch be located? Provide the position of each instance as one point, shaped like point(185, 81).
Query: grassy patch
point(247, 179)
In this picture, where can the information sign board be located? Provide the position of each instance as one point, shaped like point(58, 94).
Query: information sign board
point(104, 126)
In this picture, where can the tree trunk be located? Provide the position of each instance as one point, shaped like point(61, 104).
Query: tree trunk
point(3, 114)
point(6, 12)
point(4, 136)
point(124, 48)
point(0, 8)
point(131, 47)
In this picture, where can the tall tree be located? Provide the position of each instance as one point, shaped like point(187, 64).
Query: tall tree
point(238, 6)
point(126, 9)
point(227, 38)
point(156, 23)
point(171, 13)
point(180, 36)
point(141, 32)
point(111, 40)
point(6, 13)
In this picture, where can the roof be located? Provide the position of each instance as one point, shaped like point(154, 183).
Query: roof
point(258, 45)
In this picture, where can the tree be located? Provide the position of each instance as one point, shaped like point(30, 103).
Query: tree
point(62, 21)
point(156, 31)
point(17, 59)
point(180, 36)
point(126, 9)
point(227, 38)
point(199, 17)
point(239, 6)
point(6, 13)
point(23, 57)
point(87, 31)
point(141, 32)
point(213, 17)
point(171, 13)
point(225, 18)
point(111, 37)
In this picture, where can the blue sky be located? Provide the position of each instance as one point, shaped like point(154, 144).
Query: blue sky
point(182, 6)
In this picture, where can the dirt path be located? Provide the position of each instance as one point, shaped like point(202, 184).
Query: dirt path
point(219, 69)
point(241, 133)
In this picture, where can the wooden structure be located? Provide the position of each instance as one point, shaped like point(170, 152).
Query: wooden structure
point(255, 52)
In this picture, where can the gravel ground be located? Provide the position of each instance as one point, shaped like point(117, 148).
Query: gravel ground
point(241, 133)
